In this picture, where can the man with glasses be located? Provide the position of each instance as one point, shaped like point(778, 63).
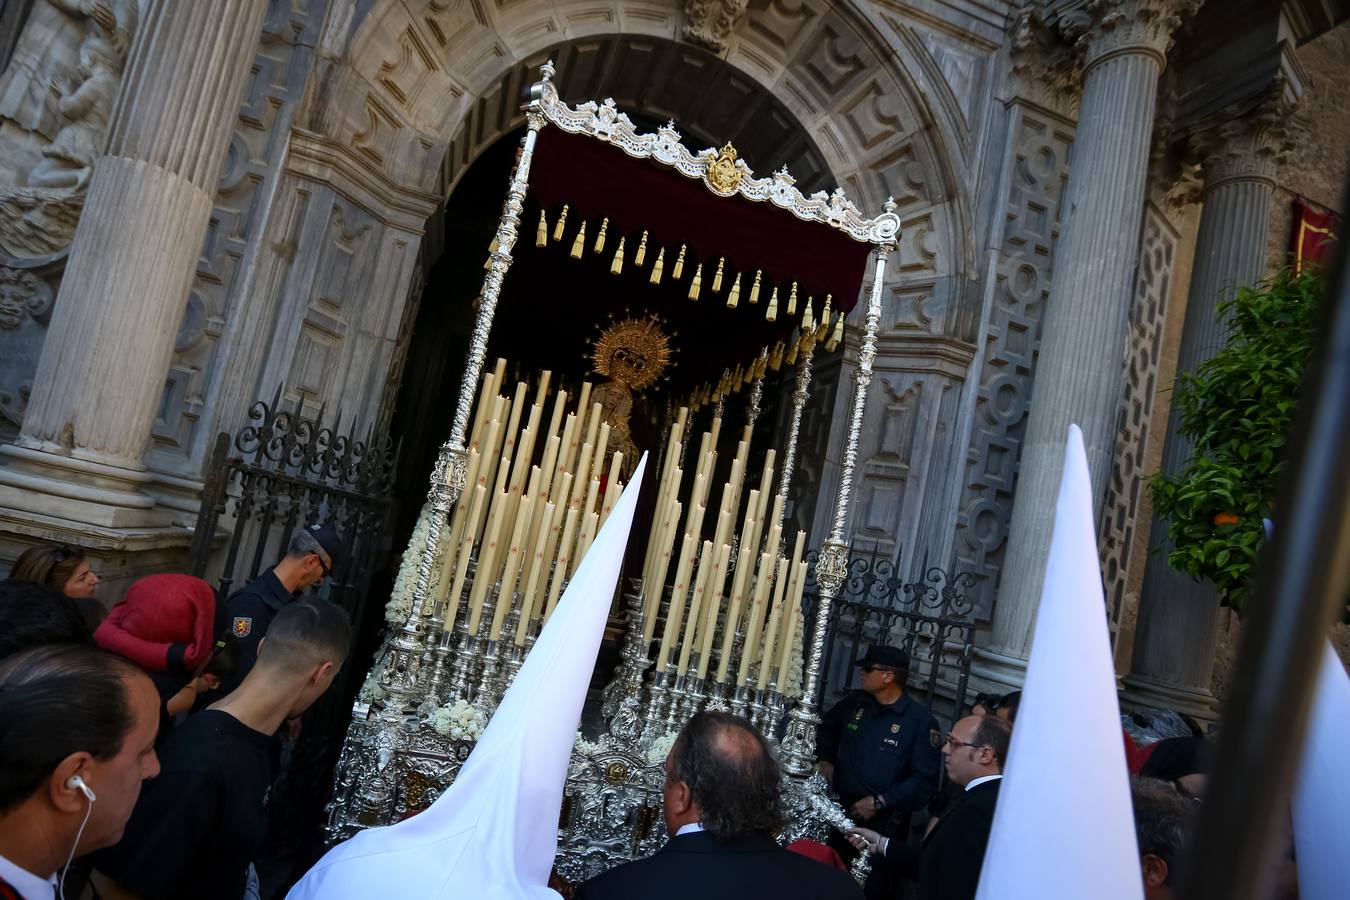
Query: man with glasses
point(313, 553)
point(947, 865)
point(877, 747)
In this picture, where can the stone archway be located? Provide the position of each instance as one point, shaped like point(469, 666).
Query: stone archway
point(874, 103)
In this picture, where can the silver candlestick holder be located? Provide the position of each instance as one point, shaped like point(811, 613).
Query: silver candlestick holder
point(694, 698)
point(466, 654)
point(678, 691)
point(717, 698)
point(757, 710)
point(658, 693)
point(775, 704)
point(740, 701)
point(627, 680)
point(485, 696)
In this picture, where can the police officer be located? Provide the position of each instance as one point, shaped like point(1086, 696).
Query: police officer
point(313, 553)
point(879, 749)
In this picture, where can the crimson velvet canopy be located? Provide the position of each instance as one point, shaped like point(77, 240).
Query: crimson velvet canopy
point(566, 288)
point(597, 180)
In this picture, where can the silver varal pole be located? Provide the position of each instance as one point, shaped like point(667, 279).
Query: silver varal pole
point(798, 749)
point(401, 675)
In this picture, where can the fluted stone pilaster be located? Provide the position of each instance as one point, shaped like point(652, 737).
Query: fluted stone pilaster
point(1173, 657)
point(1079, 372)
point(101, 374)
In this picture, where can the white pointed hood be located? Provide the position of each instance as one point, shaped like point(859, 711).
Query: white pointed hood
point(1064, 825)
point(494, 832)
point(1322, 794)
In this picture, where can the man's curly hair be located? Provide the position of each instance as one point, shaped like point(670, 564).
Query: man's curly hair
point(731, 774)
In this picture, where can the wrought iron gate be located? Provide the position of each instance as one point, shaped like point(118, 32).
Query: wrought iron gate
point(929, 619)
point(280, 471)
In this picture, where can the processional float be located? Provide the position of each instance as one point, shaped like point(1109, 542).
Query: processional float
point(714, 618)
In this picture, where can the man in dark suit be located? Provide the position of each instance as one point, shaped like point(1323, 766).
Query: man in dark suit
point(947, 864)
point(722, 802)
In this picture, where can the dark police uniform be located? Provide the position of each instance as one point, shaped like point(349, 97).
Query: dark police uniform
point(249, 611)
point(889, 751)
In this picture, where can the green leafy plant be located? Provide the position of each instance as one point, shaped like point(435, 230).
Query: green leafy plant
point(1237, 409)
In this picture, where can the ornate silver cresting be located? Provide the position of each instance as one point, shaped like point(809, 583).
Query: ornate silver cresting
point(799, 742)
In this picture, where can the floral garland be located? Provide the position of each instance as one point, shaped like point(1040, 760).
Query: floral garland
point(400, 599)
point(459, 721)
point(792, 687)
point(660, 749)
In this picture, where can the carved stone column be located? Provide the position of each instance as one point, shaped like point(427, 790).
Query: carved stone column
point(1178, 616)
point(101, 374)
point(1079, 373)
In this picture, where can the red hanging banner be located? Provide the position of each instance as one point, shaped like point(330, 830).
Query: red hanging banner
point(1314, 234)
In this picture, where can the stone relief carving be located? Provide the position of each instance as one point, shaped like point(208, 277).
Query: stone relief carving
point(25, 306)
point(1041, 155)
point(56, 97)
point(1125, 491)
point(712, 21)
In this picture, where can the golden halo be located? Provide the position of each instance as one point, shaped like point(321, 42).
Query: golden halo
point(634, 352)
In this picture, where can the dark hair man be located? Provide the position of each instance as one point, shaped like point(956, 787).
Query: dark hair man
point(948, 863)
point(311, 557)
point(1163, 820)
point(722, 803)
point(200, 824)
point(77, 738)
point(877, 747)
point(1008, 706)
point(34, 616)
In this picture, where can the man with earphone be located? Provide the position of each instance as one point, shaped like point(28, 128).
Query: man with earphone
point(77, 738)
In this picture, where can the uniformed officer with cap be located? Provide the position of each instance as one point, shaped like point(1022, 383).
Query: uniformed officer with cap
point(879, 749)
point(313, 553)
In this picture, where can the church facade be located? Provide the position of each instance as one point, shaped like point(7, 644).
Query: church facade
point(202, 202)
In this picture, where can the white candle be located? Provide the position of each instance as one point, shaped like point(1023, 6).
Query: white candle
point(485, 574)
point(755, 623)
point(530, 592)
point(771, 633)
point(657, 584)
point(675, 615)
point(687, 644)
point(713, 604)
point(612, 487)
point(513, 420)
point(463, 554)
point(793, 615)
point(561, 561)
point(512, 568)
point(743, 562)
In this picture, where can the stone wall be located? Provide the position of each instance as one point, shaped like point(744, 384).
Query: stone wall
point(1316, 168)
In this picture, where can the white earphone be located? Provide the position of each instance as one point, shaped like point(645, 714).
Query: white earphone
point(76, 783)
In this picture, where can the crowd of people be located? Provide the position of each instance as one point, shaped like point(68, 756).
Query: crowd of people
point(137, 749)
point(138, 744)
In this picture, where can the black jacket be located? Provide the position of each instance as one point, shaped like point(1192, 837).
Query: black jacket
point(949, 861)
point(888, 750)
point(703, 867)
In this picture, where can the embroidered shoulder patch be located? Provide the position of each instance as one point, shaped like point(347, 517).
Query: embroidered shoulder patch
point(935, 737)
point(243, 626)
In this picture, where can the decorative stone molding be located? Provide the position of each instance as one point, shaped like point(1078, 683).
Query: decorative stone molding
point(1112, 28)
point(711, 22)
point(351, 173)
point(1043, 65)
